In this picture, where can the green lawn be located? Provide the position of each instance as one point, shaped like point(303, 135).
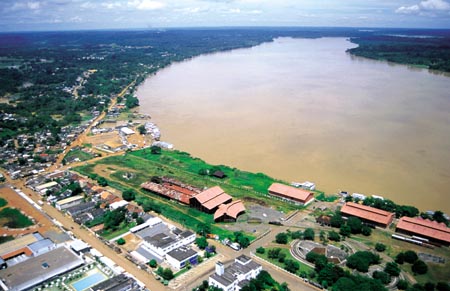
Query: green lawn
point(3, 202)
point(303, 268)
point(13, 218)
point(78, 153)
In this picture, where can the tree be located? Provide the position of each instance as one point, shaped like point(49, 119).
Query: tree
point(273, 253)
point(296, 234)
point(419, 267)
point(442, 286)
point(337, 220)
point(155, 150)
point(439, 217)
point(114, 218)
point(281, 238)
point(334, 236)
point(281, 257)
point(153, 263)
point(203, 229)
point(392, 269)
point(362, 260)
point(355, 224)
point(102, 181)
point(323, 237)
point(260, 250)
point(402, 284)
point(308, 234)
point(400, 258)
point(167, 274)
point(429, 286)
point(291, 266)
point(365, 230)
point(201, 242)
point(383, 277)
point(139, 220)
point(121, 241)
point(410, 256)
point(129, 195)
point(344, 284)
point(141, 129)
point(345, 230)
point(380, 247)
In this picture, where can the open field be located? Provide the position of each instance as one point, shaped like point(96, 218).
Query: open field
point(13, 218)
point(42, 223)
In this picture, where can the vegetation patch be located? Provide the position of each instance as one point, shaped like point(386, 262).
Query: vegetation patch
point(13, 218)
point(77, 155)
point(3, 202)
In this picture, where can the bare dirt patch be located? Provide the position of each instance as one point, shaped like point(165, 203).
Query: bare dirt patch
point(42, 223)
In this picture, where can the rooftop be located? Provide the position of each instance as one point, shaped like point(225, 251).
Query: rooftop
point(38, 269)
point(367, 213)
point(290, 192)
point(232, 209)
point(18, 243)
point(182, 253)
point(160, 240)
point(70, 199)
point(425, 227)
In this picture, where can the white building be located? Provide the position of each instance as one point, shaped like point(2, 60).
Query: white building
point(160, 244)
point(236, 275)
point(68, 202)
point(118, 204)
point(180, 257)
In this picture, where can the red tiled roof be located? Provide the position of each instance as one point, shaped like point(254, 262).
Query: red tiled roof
point(368, 213)
point(232, 209)
point(209, 194)
point(424, 227)
point(216, 201)
point(291, 192)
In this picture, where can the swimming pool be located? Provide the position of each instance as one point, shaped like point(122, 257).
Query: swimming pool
point(89, 281)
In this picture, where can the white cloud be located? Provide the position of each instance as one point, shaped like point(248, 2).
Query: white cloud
point(146, 4)
point(111, 5)
point(76, 19)
point(87, 5)
point(34, 5)
point(424, 7)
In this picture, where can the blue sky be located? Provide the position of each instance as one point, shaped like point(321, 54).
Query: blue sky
point(89, 14)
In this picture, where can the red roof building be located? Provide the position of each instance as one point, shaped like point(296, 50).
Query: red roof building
point(209, 200)
point(229, 212)
point(294, 194)
point(432, 230)
point(368, 214)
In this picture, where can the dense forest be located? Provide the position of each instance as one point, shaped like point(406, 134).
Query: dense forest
point(48, 78)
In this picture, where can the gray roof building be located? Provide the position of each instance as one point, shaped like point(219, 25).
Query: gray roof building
point(118, 283)
point(160, 240)
point(39, 269)
point(42, 246)
point(73, 210)
point(182, 253)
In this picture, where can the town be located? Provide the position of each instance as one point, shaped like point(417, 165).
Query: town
point(97, 199)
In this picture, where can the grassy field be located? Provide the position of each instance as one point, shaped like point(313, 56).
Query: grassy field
point(3, 202)
point(78, 153)
point(250, 187)
point(13, 218)
point(285, 249)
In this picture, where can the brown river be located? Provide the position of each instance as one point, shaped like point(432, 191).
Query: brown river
point(304, 109)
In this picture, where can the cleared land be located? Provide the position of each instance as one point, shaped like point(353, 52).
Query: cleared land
point(42, 223)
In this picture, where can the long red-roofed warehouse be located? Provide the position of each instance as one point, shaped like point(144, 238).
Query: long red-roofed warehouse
point(431, 230)
point(209, 200)
point(368, 214)
point(291, 193)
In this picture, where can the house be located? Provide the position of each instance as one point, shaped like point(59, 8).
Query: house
point(118, 204)
point(219, 174)
point(432, 230)
point(236, 275)
point(230, 211)
point(118, 283)
point(80, 208)
point(180, 257)
point(69, 202)
point(208, 201)
point(368, 214)
point(299, 196)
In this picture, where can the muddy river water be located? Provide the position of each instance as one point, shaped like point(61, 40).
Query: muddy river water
point(304, 109)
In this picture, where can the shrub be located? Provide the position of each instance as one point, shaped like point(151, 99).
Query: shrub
point(260, 250)
point(308, 234)
point(121, 241)
point(281, 238)
point(334, 236)
point(380, 247)
point(392, 269)
point(383, 277)
point(153, 263)
point(402, 285)
point(410, 257)
point(419, 267)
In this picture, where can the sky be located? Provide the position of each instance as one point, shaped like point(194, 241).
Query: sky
point(30, 15)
